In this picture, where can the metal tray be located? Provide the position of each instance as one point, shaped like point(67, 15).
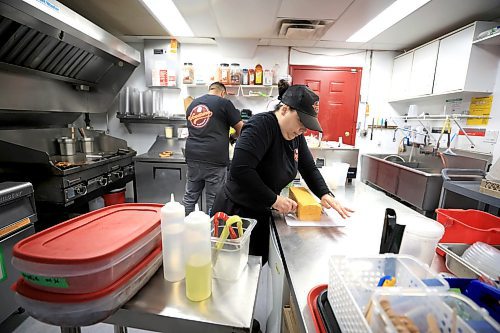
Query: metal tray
point(463, 268)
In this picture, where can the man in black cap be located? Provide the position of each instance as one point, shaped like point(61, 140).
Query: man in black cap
point(267, 156)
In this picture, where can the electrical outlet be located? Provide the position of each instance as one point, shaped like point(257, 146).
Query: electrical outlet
point(491, 136)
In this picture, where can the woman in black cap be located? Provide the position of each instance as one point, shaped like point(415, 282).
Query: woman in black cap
point(270, 150)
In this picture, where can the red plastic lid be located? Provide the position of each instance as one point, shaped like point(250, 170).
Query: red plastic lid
point(21, 287)
point(313, 307)
point(91, 237)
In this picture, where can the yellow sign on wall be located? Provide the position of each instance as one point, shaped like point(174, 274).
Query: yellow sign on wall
point(480, 106)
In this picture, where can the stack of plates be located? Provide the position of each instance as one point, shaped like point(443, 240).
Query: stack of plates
point(485, 257)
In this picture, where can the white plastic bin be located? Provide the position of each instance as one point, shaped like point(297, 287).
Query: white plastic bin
point(430, 312)
point(229, 262)
point(420, 239)
point(352, 281)
point(335, 174)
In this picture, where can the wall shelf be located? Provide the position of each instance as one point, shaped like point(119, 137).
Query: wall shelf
point(493, 39)
point(138, 119)
point(439, 97)
point(243, 90)
point(441, 117)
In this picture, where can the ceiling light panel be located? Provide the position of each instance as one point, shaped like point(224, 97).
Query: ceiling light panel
point(391, 15)
point(357, 15)
point(167, 14)
point(200, 17)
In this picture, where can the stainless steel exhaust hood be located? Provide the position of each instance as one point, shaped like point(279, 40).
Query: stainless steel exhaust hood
point(54, 60)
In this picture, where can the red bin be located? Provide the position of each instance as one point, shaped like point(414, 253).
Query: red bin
point(469, 226)
point(114, 197)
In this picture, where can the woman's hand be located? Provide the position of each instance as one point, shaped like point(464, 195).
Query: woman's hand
point(284, 205)
point(328, 201)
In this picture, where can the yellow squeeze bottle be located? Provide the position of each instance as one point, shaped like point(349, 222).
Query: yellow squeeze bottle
point(198, 256)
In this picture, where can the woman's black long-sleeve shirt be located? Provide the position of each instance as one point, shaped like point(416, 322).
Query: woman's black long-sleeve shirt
point(264, 163)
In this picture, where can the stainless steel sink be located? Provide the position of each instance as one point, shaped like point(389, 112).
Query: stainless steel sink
point(415, 179)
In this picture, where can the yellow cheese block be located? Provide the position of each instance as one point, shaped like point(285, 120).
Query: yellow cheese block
point(308, 209)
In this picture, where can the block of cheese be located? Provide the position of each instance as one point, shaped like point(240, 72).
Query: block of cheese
point(308, 209)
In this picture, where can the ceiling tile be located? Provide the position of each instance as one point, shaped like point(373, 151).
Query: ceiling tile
point(246, 19)
point(358, 14)
point(200, 17)
point(437, 18)
point(313, 9)
point(291, 42)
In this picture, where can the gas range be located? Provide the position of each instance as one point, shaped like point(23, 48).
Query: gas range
point(64, 180)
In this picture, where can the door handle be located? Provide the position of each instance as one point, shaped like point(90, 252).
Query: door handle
point(347, 134)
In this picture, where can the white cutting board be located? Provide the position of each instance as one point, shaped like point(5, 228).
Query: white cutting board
point(329, 218)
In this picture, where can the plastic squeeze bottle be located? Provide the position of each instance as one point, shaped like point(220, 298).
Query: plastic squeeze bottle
point(172, 234)
point(198, 256)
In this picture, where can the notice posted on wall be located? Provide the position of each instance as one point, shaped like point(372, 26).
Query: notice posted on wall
point(480, 106)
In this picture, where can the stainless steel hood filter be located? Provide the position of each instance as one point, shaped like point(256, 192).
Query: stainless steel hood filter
point(52, 59)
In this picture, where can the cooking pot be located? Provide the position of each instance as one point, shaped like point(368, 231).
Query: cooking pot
point(67, 146)
point(87, 145)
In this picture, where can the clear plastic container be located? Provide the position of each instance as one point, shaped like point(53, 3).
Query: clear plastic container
point(229, 262)
point(420, 239)
point(352, 281)
point(86, 309)
point(235, 74)
point(335, 174)
point(429, 312)
point(90, 252)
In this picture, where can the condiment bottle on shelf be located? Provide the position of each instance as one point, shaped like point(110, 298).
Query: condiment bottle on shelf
point(198, 254)
point(244, 77)
point(259, 75)
point(268, 77)
point(172, 235)
point(251, 76)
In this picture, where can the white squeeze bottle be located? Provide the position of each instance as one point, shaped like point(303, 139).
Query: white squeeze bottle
point(172, 234)
point(198, 256)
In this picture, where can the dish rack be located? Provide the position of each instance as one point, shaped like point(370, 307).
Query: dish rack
point(353, 280)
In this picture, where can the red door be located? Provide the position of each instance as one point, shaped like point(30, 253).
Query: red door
point(338, 91)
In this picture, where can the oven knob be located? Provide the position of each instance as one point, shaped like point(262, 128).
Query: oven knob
point(81, 190)
point(118, 174)
point(103, 181)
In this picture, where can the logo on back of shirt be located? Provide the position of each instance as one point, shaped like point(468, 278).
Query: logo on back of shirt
point(199, 116)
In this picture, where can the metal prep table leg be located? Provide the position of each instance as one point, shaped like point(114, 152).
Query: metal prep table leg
point(119, 329)
point(76, 329)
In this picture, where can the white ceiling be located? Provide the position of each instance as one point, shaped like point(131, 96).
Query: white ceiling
point(258, 21)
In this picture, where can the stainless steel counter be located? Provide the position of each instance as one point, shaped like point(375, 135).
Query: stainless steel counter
point(162, 306)
point(162, 144)
point(305, 250)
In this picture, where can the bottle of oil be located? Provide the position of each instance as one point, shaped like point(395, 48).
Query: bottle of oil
point(258, 74)
point(198, 254)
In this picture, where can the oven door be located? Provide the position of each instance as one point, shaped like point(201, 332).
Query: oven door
point(9, 274)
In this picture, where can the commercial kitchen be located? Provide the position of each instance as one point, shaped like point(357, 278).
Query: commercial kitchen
point(93, 128)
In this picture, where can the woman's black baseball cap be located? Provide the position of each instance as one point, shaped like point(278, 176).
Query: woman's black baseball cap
point(299, 97)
